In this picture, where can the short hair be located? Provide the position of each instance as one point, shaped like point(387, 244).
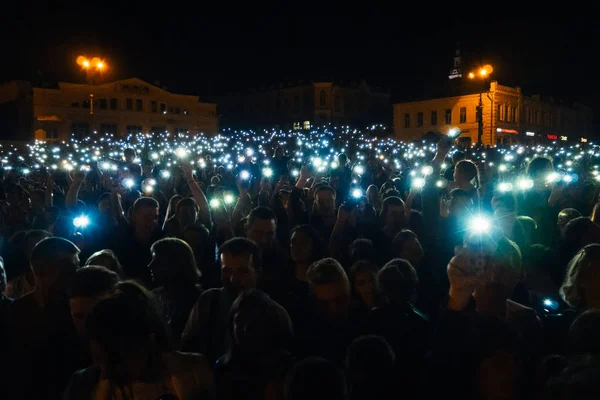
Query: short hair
point(578, 271)
point(397, 281)
point(538, 165)
point(315, 379)
point(326, 270)
point(109, 255)
point(37, 234)
point(103, 197)
point(457, 156)
point(402, 237)
point(362, 249)
point(263, 213)
point(182, 265)
point(93, 281)
point(49, 249)
point(186, 202)
point(372, 355)
point(129, 151)
point(238, 246)
point(324, 188)
point(144, 202)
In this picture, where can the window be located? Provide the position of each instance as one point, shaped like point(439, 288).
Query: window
point(463, 115)
point(337, 103)
point(108, 129)
point(322, 99)
point(75, 104)
point(513, 114)
point(500, 116)
point(129, 104)
point(307, 125)
point(153, 106)
point(102, 104)
point(80, 129)
point(134, 129)
point(419, 119)
point(163, 108)
point(448, 116)
point(85, 104)
point(158, 129)
point(185, 112)
point(139, 105)
point(113, 104)
point(52, 133)
point(434, 118)
point(296, 126)
point(407, 120)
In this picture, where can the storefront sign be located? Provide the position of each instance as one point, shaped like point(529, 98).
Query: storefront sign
point(529, 133)
point(552, 137)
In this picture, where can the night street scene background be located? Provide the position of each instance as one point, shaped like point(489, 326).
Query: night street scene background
point(298, 202)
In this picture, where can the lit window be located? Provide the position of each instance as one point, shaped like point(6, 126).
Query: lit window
point(463, 115)
point(306, 124)
point(296, 126)
point(448, 117)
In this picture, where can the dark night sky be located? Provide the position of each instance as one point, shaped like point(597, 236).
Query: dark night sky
point(219, 50)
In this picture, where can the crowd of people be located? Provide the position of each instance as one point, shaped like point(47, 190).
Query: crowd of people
point(298, 266)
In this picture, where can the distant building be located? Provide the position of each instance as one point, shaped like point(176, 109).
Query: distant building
point(456, 70)
point(123, 107)
point(508, 117)
point(302, 104)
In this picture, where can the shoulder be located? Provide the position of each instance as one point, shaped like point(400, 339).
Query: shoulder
point(520, 314)
point(82, 383)
point(181, 361)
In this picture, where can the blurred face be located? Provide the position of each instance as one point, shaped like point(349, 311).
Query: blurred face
point(147, 169)
point(325, 203)
point(187, 216)
point(372, 194)
point(237, 272)
point(249, 330)
point(55, 277)
point(262, 232)
point(284, 198)
point(104, 207)
point(301, 247)
point(364, 285)
point(159, 268)
point(129, 156)
point(412, 251)
point(81, 307)
point(333, 301)
point(394, 215)
point(37, 202)
point(145, 219)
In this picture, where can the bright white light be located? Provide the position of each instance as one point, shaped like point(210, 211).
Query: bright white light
point(418, 183)
point(440, 183)
point(525, 184)
point(567, 178)
point(128, 183)
point(505, 186)
point(26, 171)
point(165, 174)
point(245, 175)
point(214, 203)
point(359, 169)
point(427, 170)
point(154, 156)
point(334, 164)
point(357, 193)
point(453, 132)
point(229, 199)
point(267, 172)
point(444, 165)
point(502, 168)
point(106, 166)
point(81, 221)
point(553, 177)
point(249, 152)
point(181, 152)
point(241, 159)
point(479, 224)
point(317, 162)
point(295, 172)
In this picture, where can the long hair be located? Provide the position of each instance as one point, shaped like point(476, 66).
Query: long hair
point(469, 169)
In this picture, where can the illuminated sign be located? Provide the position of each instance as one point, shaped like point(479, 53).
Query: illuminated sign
point(529, 133)
point(507, 130)
point(552, 137)
point(563, 138)
point(583, 140)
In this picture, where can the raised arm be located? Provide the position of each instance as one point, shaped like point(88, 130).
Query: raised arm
point(73, 193)
point(204, 209)
point(117, 207)
point(49, 199)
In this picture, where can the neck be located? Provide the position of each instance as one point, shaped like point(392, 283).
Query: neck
point(300, 270)
point(495, 306)
point(40, 294)
point(142, 235)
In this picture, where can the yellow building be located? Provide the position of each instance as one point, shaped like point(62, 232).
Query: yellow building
point(123, 107)
point(508, 117)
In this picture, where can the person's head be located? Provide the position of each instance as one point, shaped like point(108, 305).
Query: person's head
point(324, 204)
point(315, 379)
point(578, 233)
point(147, 167)
point(14, 193)
point(261, 225)
point(579, 379)
point(258, 324)
point(173, 264)
point(466, 172)
point(305, 244)
point(581, 287)
point(566, 216)
point(215, 180)
point(90, 285)
point(584, 332)
point(54, 261)
point(32, 238)
point(457, 157)
point(172, 207)
point(104, 205)
point(330, 289)
point(279, 151)
point(502, 274)
point(363, 280)
point(407, 246)
point(129, 155)
point(108, 259)
point(240, 265)
point(397, 281)
point(539, 168)
point(369, 361)
point(342, 159)
point(362, 249)
point(187, 212)
point(392, 212)
point(145, 215)
point(373, 195)
point(197, 237)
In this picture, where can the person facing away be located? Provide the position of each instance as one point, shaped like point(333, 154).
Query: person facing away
point(41, 332)
point(206, 328)
point(315, 379)
point(370, 368)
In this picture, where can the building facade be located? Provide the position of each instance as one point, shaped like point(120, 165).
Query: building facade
point(508, 117)
point(123, 107)
point(302, 104)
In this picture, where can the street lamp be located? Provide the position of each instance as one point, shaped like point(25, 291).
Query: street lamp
point(91, 66)
point(483, 73)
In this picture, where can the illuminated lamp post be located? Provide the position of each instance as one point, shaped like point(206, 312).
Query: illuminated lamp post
point(482, 73)
point(92, 67)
